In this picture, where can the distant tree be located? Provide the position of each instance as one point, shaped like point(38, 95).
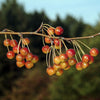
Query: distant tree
point(74, 27)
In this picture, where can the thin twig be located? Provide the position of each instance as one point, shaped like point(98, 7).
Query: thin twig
point(39, 27)
point(44, 35)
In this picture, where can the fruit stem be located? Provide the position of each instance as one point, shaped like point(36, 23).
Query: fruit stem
point(11, 37)
point(80, 47)
point(18, 46)
point(84, 44)
point(45, 27)
point(47, 56)
point(48, 25)
point(60, 47)
point(47, 59)
point(50, 56)
point(27, 46)
point(6, 39)
point(64, 45)
point(54, 51)
point(57, 52)
point(78, 51)
point(43, 37)
point(75, 50)
point(39, 27)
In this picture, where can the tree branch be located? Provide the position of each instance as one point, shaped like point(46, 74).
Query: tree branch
point(43, 35)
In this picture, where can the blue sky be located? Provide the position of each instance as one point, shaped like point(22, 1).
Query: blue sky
point(89, 10)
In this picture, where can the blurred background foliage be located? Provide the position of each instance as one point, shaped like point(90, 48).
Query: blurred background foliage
point(35, 84)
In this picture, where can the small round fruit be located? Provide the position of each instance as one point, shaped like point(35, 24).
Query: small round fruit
point(29, 57)
point(70, 53)
point(94, 52)
point(10, 54)
point(16, 49)
point(24, 51)
point(6, 42)
point(91, 59)
point(72, 61)
point(29, 64)
point(85, 65)
point(13, 43)
point(56, 60)
point(59, 30)
point(56, 42)
point(64, 64)
point(46, 49)
point(35, 59)
point(47, 40)
point(79, 66)
point(56, 66)
point(51, 31)
point(59, 72)
point(50, 71)
point(68, 67)
point(57, 47)
point(19, 57)
point(20, 64)
point(63, 57)
point(86, 58)
point(25, 41)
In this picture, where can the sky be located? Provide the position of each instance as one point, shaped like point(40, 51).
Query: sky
point(88, 10)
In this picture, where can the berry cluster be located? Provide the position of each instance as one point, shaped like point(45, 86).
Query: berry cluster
point(87, 59)
point(58, 56)
point(63, 61)
point(57, 43)
point(22, 53)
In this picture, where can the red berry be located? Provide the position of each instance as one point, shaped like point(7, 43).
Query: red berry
point(91, 59)
point(79, 66)
point(46, 49)
point(56, 42)
point(20, 63)
point(24, 51)
point(25, 41)
point(59, 72)
point(86, 58)
point(58, 47)
point(29, 64)
point(85, 65)
point(70, 53)
point(51, 31)
point(10, 54)
point(72, 61)
point(16, 49)
point(35, 59)
point(56, 60)
point(13, 43)
point(29, 57)
point(68, 67)
point(59, 30)
point(19, 57)
point(47, 40)
point(64, 65)
point(63, 57)
point(50, 71)
point(6, 42)
point(56, 67)
point(94, 52)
